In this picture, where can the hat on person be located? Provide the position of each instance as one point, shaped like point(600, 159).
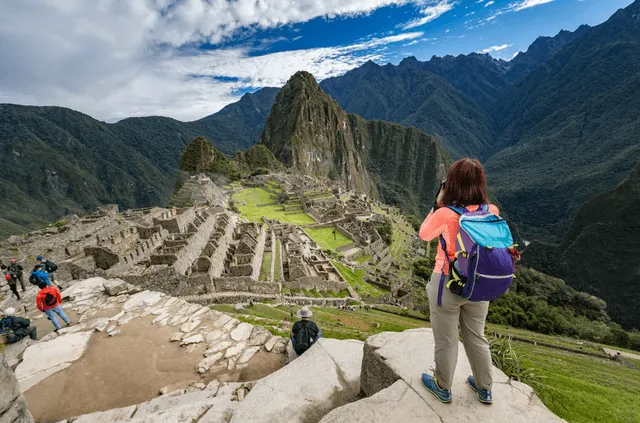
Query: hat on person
point(304, 313)
point(39, 258)
point(13, 260)
point(10, 311)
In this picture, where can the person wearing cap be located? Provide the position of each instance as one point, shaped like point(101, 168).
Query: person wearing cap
point(17, 270)
point(304, 333)
point(14, 329)
point(11, 279)
point(49, 302)
point(49, 267)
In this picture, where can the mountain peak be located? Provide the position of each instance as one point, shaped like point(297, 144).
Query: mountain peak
point(409, 61)
point(308, 131)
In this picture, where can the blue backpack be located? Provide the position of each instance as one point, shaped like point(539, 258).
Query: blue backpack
point(484, 264)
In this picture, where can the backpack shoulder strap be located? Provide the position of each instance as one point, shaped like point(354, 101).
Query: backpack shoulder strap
point(458, 210)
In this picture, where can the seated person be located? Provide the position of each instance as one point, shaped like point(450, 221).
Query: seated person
point(305, 332)
point(14, 329)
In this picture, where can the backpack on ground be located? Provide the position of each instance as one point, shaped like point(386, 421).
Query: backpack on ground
point(50, 300)
point(6, 331)
point(304, 339)
point(484, 264)
point(34, 279)
point(50, 266)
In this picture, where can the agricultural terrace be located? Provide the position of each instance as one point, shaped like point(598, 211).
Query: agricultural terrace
point(355, 279)
point(254, 203)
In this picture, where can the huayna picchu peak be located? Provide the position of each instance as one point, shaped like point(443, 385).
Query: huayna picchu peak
point(310, 133)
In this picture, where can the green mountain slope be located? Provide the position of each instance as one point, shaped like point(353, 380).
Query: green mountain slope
point(599, 252)
point(570, 130)
point(410, 95)
point(479, 76)
point(59, 161)
point(541, 50)
point(309, 132)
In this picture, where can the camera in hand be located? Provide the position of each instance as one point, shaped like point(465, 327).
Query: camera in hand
point(440, 188)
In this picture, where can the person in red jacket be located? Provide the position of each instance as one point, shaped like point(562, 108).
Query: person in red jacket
point(49, 302)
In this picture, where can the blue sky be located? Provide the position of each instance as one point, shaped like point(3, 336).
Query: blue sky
point(461, 30)
point(189, 58)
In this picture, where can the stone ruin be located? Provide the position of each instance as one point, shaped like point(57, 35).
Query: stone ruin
point(205, 249)
point(303, 263)
point(198, 189)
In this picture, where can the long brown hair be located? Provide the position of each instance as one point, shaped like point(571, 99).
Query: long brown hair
point(466, 184)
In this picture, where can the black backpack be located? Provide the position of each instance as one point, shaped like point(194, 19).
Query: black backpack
point(33, 279)
point(50, 300)
point(6, 331)
point(50, 266)
point(305, 338)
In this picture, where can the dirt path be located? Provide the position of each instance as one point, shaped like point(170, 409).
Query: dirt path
point(127, 369)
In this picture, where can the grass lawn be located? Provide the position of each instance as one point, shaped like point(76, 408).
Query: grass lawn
point(277, 268)
point(354, 278)
point(265, 269)
point(584, 389)
point(362, 259)
point(339, 324)
point(248, 200)
point(325, 239)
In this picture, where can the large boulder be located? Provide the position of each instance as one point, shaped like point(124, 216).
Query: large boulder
point(43, 359)
point(13, 407)
point(391, 375)
point(323, 378)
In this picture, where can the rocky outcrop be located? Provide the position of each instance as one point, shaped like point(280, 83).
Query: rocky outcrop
point(323, 378)
point(325, 385)
point(230, 343)
point(213, 404)
point(46, 358)
point(309, 132)
point(13, 407)
point(391, 369)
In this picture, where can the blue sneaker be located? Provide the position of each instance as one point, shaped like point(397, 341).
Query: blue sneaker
point(484, 396)
point(430, 382)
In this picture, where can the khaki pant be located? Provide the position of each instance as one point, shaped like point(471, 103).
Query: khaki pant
point(445, 319)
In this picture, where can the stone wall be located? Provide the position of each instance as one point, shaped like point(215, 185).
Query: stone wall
point(190, 252)
point(165, 279)
point(314, 282)
point(258, 253)
point(225, 228)
point(176, 221)
point(13, 407)
point(245, 284)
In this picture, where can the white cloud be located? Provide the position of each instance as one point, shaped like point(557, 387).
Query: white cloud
point(525, 4)
point(493, 49)
point(489, 3)
point(431, 12)
point(118, 58)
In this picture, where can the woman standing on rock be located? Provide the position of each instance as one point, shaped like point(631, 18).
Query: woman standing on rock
point(465, 187)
